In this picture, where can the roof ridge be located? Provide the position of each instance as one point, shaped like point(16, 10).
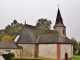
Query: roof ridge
point(30, 35)
point(37, 27)
point(23, 31)
point(38, 39)
point(46, 34)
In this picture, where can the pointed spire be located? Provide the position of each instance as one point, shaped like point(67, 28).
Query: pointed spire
point(58, 18)
point(59, 26)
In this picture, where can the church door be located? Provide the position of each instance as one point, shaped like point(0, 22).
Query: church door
point(66, 56)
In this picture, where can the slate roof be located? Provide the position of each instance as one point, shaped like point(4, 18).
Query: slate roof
point(9, 45)
point(32, 34)
point(53, 38)
point(59, 20)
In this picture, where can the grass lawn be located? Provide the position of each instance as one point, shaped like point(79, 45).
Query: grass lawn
point(30, 59)
point(25, 59)
point(76, 57)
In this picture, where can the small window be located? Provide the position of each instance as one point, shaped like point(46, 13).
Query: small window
point(63, 31)
point(7, 50)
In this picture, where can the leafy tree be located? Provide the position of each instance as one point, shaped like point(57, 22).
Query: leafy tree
point(75, 44)
point(79, 48)
point(44, 23)
point(17, 29)
point(79, 52)
point(10, 31)
point(1, 34)
point(8, 27)
point(15, 21)
point(6, 38)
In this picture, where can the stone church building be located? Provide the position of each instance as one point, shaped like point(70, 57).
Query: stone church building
point(35, 42)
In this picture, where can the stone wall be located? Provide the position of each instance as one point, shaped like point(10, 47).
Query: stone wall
point(28, 50)
point(48, 51)
point(16, 52)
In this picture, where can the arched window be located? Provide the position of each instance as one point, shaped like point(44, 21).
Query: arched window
point(66, 56)
point(63, 31)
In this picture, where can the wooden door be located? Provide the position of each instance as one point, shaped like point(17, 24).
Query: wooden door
point(66, 56)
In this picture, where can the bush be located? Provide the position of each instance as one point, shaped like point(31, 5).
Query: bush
point(79, 52)
point(8, 56)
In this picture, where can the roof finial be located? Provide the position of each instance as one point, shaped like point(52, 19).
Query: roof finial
point(58, 6)
point(25, 22)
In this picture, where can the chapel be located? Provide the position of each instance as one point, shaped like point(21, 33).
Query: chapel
point(43, 43)
point(35, 42)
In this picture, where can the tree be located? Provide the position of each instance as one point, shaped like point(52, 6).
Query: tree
point(75, 44)
point(15, 21)
point(10, 31)
point(44, 23)
point(79, 48)
point(6, 38)
point(1, 34)
point(8, 27)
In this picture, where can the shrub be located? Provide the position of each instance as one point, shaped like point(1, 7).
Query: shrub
point(79, 52)
point(8, 56)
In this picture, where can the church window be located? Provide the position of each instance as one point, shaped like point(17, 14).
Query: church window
point(63, 31)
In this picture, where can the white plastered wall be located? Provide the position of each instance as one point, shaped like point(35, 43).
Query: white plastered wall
point(48, 51)
point(65, 48)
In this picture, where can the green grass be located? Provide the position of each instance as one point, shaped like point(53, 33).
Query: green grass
point(30, 59)
point(76, 57)
point(25, 59)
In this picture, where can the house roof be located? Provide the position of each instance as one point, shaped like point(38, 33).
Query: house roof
point(32, 34)
point(9, 45)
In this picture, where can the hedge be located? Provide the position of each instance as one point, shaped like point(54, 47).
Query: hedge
point(26, 59)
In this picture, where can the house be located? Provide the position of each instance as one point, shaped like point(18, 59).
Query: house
point(7, 47)
point(35, 42)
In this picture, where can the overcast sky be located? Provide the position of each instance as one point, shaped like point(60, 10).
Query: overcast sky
point(32, 10)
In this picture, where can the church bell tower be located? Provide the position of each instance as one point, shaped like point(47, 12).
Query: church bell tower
point(59, 25)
